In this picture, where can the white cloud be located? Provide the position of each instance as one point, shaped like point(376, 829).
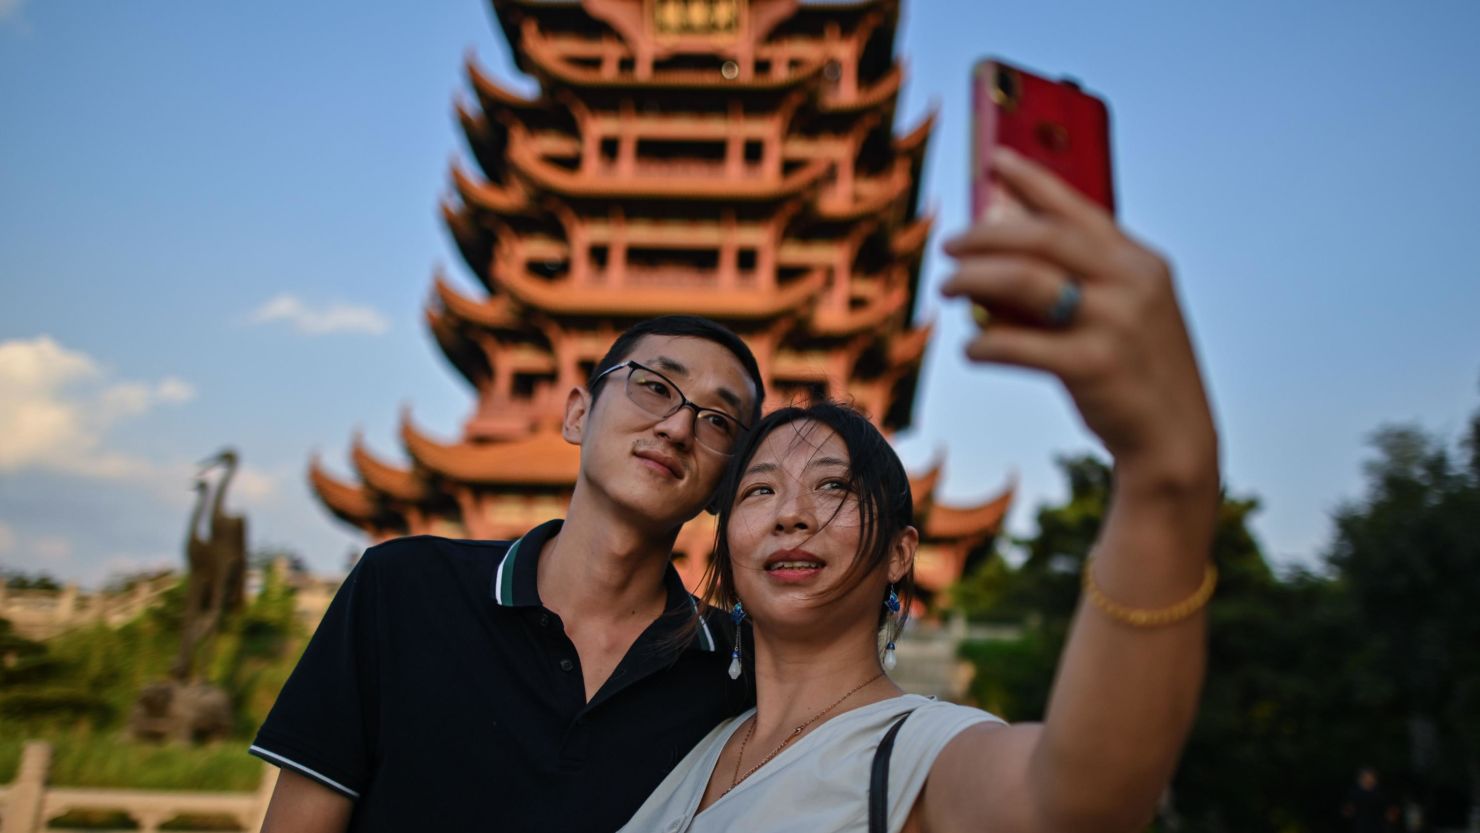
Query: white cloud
point(42, 363)
point(253, 485)
point(174, 391)
point(325, 320)
point(56, 406)
point(7, 538)
point(127, 399)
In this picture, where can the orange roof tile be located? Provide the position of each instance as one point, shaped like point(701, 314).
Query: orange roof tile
point(543, 458)
point(401, 484)
point(908, 346)
point(868, 317)
point(910, 240)
point(922, 486)
point(873, 96)
point(493, 95)
point(872, 205)
point(349, 502)
point(915, 140)
point(947, 522)
point(496, 313)
point(466, 357)
point(488, 196)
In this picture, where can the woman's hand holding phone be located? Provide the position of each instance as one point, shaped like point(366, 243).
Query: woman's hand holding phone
point(1122, 351)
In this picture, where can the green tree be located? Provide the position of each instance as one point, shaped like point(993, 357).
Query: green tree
point(1407, 556)
point(1260, 692)
point(17, 580)
point(1373, 661)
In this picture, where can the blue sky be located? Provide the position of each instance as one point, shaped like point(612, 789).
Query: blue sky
point(218, 225)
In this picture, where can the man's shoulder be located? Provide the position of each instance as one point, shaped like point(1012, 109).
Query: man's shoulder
point(418, 553)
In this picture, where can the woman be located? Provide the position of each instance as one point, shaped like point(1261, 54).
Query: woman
point(816, 542)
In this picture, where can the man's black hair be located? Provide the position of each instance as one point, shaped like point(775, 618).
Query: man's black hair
point(690, 326)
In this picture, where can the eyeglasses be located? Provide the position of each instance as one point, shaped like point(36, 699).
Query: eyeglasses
point(657, 395)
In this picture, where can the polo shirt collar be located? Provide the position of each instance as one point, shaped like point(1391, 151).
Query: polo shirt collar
point(516, 582)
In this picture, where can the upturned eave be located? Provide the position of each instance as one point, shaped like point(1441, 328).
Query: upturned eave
point(543, 458)
point(495, 313)
point(397, 483)
point(947, 522)
point(348, 502)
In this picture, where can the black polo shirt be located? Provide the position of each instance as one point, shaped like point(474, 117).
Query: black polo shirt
point(440, 694)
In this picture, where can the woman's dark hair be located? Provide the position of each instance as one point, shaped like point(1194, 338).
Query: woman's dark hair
point(885, 505)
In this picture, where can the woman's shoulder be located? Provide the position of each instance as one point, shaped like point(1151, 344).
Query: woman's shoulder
point(931, 724)
point(924, 710)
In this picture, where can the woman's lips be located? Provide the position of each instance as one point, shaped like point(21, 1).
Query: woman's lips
point(793, 566)
point(793, 575)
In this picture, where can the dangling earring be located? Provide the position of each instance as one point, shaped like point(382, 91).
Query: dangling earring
point(891, 603)
point(737, 615)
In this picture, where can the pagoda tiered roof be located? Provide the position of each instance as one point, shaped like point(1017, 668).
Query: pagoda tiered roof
point(729, 158)
point(542, 458)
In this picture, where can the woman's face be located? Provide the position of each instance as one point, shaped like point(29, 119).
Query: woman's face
point(795, 531)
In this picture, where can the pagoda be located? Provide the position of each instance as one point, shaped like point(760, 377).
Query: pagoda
point(735, 159)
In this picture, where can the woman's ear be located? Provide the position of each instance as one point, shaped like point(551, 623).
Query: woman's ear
point(577, 409)
point(902, 554)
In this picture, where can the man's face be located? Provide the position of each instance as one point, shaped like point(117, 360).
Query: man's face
point(651, 466)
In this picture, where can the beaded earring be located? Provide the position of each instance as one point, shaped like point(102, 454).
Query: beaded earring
point(891, 603)
point(737, 615)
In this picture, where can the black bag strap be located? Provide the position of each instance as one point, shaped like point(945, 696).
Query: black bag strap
point(878, 782)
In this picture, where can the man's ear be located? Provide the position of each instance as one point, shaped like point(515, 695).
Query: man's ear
point(577, 409)
point(902, 555)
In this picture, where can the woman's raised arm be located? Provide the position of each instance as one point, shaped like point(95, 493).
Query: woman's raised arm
point(1069, 293)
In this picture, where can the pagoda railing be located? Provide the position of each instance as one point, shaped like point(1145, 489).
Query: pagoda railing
point(674, 276)
point(665, 169)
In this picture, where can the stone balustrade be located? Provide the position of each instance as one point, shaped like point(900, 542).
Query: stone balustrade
point(43, 614)
point(29, 804)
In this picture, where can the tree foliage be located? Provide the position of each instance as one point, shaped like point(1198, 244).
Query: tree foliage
point(77, 690)
point(1372, 660)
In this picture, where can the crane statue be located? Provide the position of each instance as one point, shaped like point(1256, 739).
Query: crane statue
point(217, 565)
point(184, 707)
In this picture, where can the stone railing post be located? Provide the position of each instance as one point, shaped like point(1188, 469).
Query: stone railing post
point(23, 815)
point(67, 605)
point(149, 821)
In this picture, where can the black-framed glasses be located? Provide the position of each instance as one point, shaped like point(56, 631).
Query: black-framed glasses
point(656, 394)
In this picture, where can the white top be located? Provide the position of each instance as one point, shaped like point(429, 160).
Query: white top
point(819, 784)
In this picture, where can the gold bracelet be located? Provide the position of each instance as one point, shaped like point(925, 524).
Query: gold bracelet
point(1142, 617)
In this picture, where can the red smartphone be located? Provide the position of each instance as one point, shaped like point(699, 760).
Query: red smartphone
point(1054, 123)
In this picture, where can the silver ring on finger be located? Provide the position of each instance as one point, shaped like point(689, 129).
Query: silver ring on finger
point(1061, 314)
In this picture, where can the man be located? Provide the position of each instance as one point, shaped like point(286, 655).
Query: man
point(547, 683)
point(1367, 808)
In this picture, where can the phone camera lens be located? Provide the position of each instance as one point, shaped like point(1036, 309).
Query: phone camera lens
point(1007, 85)
point(1054, 137)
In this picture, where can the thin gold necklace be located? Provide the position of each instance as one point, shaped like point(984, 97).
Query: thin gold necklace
point(750, 731)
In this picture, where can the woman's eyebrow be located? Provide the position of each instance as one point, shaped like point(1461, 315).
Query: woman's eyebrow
point(817, 462)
